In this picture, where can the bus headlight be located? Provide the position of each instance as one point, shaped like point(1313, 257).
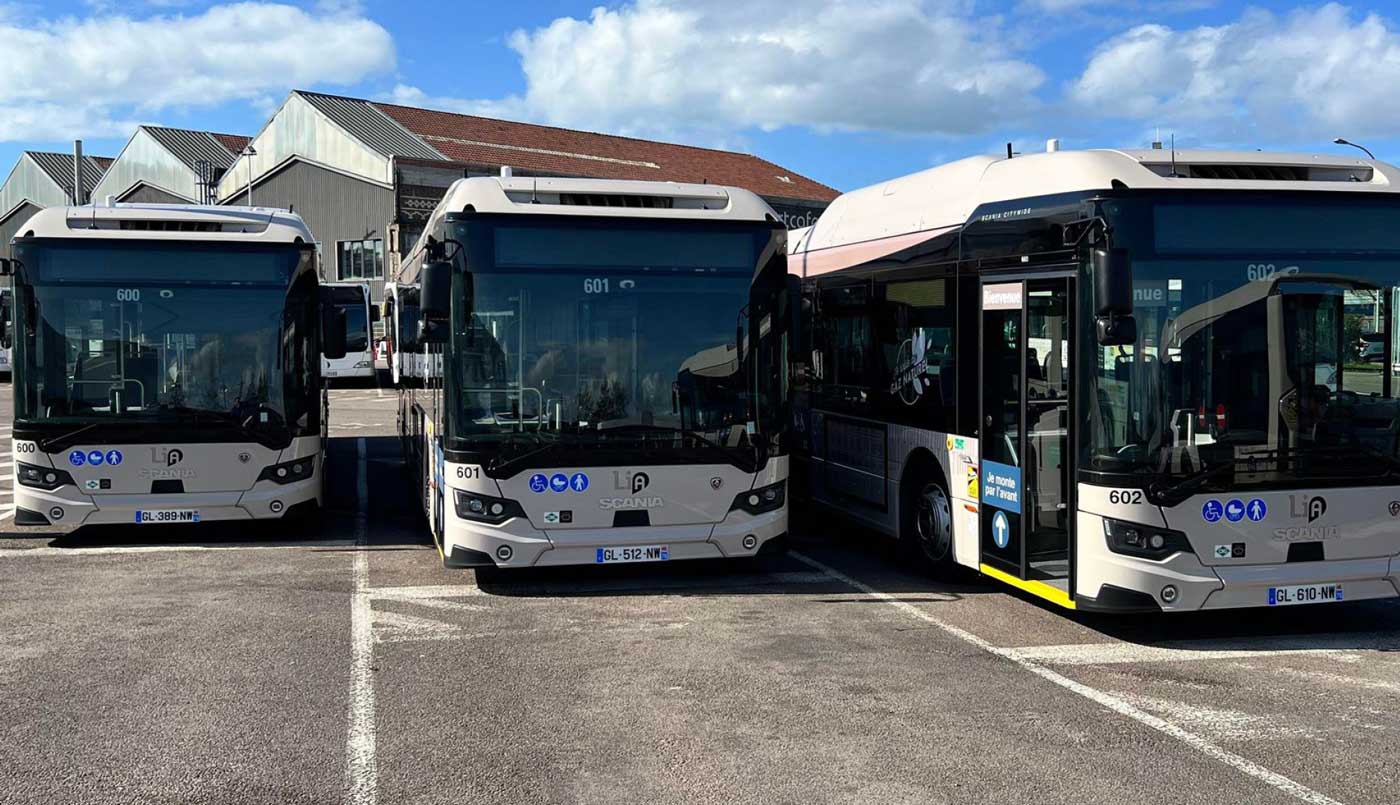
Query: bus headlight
point(45, 478)
point(289, 471)
point(1145, 542)
point(484, 508)
point(761, 500)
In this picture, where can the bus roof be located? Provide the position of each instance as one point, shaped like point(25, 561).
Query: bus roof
point(173, 222)
point(598, 198)
point(903, 211)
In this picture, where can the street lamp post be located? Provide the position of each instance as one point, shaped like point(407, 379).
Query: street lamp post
point(1344, 141)
point(248, 153)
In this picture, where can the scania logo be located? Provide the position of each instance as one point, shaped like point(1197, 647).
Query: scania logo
point(716, 482)
point(1395, 508)
point(159, 474)
point(652, 502)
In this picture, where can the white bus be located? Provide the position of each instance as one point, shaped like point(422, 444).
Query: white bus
point(566, 313)
point(167, 365)
point(360, 316)
point(6, 295)
point(1117, 380)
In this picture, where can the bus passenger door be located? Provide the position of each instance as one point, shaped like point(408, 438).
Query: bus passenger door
point(1026, 504)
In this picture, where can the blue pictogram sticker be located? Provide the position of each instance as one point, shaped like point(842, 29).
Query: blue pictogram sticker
point(538, 483)
point(114, 457)
point(1001, 530)
point(1212, 511)
point(1256, 510)
point(559, 482)
point(1234, 510)
point(578, 482)
point(77, 458)
point(95, 458)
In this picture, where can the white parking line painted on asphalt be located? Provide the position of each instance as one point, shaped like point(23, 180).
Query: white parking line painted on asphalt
point(437, 591)
point(1108, 700)
point(1213, 649)
point(361, 771)
point(101, 550)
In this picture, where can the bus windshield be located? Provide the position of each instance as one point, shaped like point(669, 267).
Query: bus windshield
point(164, 332)
point(1252, 366)
point(589, 335)
point(354, 302)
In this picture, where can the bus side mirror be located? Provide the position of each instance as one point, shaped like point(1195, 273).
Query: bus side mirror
point(1113, 297)
point(435, 296)
point(7, 267)
point(5, 339)
point(799, 346)
point(374, 313)
point(333, 344)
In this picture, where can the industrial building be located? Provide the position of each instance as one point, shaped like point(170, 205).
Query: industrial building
point(42, 179)
point(366, 175)
point(161, 165)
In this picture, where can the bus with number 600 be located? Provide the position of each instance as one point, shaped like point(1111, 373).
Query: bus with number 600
point(167, 365)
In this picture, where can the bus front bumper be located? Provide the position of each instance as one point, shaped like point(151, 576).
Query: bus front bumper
point(68, 506)
point(517, 543)
point(1183, 583)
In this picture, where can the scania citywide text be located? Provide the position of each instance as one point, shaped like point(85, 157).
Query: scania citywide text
point(612, 372)
point(1118, 380)
point(166, 365)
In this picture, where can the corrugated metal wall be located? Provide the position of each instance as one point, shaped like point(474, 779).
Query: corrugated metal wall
point(335, 206)
point(11, 225)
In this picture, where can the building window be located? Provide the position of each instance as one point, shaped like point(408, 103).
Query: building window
point(361, 259)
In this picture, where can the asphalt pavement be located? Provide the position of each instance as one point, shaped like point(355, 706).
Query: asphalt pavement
point(229, 664)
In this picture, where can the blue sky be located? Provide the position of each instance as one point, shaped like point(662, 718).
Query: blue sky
point(848, 93)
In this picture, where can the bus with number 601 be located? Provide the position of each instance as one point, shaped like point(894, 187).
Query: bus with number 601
point(612, 377)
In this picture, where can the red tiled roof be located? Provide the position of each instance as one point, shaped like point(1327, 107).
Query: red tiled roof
point(466, 139)
point(104, 162)
point(233, 142)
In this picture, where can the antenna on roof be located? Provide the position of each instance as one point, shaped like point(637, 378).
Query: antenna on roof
point(1174, 174)
point(534, 191)
point(1009, 154)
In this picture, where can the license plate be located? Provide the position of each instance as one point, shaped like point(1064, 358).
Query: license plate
point(1304, 594)
point(640, 553)
point(149, 516)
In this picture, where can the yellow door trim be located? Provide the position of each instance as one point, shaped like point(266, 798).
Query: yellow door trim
point(1036, 588)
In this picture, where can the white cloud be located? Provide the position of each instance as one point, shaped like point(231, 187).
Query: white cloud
point(89, 72)
point(1309, 75)
point(698, 65)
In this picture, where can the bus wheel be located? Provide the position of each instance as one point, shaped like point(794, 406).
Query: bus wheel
point(928, 532)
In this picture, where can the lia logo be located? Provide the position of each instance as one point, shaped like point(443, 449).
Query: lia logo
point(1304, 506)
point(166, 456)
point(630, 481)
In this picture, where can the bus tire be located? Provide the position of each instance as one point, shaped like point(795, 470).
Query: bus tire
point(926, 527)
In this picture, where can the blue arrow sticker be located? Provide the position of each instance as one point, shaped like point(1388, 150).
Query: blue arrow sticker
point(95, 458)
point(114, 457)
point(77, 458)
point(1256, 510)
point(1001, 530)
point(578, 482)
point(538, 483)
point(559, 482)
point(1211, 511)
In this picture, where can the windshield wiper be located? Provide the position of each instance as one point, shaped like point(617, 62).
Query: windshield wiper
point(63, 440)
point(498, 462)
point(662, 429)
point(1160, 493)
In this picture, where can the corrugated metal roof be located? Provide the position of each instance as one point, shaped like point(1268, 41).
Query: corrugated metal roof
point(191, 146)
point(59, 167)
point(366, 123)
